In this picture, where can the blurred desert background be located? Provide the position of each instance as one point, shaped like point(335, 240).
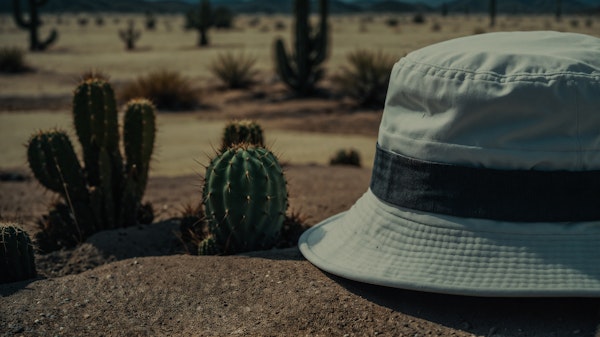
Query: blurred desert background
point(305, 130)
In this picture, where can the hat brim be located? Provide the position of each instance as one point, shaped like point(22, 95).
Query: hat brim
point(378, 243)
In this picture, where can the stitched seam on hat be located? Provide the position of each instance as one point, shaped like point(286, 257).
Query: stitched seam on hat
point(471, 74)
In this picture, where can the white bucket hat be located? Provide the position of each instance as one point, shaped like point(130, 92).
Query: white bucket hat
point(486, 178)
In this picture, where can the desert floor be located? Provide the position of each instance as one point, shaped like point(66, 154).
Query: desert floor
point(140, 282)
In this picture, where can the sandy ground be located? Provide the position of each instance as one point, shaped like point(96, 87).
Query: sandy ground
point(140, 282)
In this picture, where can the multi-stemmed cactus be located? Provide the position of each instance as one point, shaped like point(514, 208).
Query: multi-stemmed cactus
point(245, 200)
point(301, 70)
point(17, 261)
point(34, 22)
point(200, 20)
point(105, 192)
point(130, 35)
point(242, 131)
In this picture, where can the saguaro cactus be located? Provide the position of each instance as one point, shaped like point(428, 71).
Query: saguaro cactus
point(17, 262)
point(301, 70)
point(34, 22)
point(200, 20)
point(107, 191)
point(245, 200)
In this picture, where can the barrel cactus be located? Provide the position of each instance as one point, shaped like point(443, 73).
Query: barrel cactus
point(106, 191)
point(245, 200)
point(17, 261)
point(242, 131)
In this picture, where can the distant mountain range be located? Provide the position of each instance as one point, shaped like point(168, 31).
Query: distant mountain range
point(336, 6)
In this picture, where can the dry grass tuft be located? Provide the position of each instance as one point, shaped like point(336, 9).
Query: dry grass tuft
point(366, 76)
point(168, 90)
point(234, 70)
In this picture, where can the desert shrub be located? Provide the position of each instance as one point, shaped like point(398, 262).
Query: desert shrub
point(168, 90)
point(366, 77)
point(234, 70)
point(418, 18)
point(392, 22)
point(436, 27)
point(12, 60)
point(346, 157)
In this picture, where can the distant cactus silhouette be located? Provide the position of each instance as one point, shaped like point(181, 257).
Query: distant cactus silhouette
point(130, 35)
point(301, 70)
point(492, 13)
point(35, 44)
point(200, 20)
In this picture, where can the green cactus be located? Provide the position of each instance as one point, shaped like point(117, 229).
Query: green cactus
point(242, 131)
point(17, 261)
point(200, 20)
point(245, 199)
point(107, 191)
point(35, 44)
point(301, 71)
point(130, 35)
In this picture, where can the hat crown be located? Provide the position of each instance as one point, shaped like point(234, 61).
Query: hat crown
point(527, 100)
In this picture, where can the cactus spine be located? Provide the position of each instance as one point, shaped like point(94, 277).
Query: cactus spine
point(107, 191)
point(245, 200)
point(130, 35)
point(17, 261)
point(33, 24)
point(301, 71)
point(200, 20)
point(242, 131)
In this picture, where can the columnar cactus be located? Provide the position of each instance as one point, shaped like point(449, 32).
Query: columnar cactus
point(130, 35)
point(17, 261)
point(107, 191)
point(245, 200)
point(242, 131)
point(301, 70)
point(200, 20)
point(492, 13)
point(35, 44)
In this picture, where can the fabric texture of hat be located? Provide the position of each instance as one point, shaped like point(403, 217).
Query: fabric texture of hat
point(486, 178)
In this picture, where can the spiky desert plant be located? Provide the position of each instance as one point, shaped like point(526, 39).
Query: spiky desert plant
point(130, 35)
point(201, 20)
point(301, 69)
point(17, 262)
point(12, 60)
point(346, 157)
point(366, 76)
point(245, 200)
point(242, 131)
point(32, 25)
point(168, 90)
point(105, 192)
point(234, 70)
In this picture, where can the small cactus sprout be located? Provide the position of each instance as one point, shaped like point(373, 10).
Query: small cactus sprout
point(245, 199)
point(346, 157)
point(242, 131)
point(17, 261)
